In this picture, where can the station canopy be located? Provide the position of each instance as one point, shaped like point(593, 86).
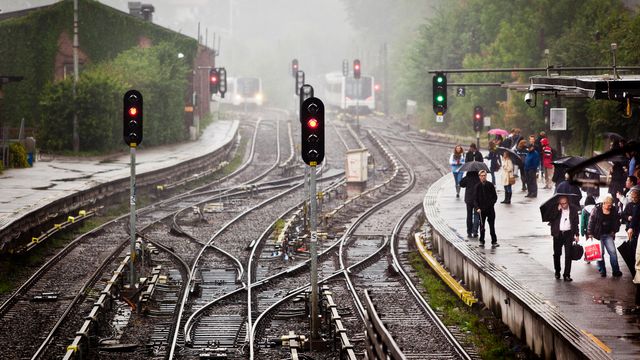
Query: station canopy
point(605, 87)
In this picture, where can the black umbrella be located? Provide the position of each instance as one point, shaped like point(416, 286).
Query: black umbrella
point(515, 158)
point(474, 166)
point(613, 136)
point(571, 161)
point(548, 207)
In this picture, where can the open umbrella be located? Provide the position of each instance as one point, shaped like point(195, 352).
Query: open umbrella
point(500, 132)
point(571, 161)
point(474, 166)
point(546, 209)
point(613, 136)
point(515, 158)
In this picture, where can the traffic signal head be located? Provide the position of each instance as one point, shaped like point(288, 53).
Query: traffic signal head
point(478, 118)
point(294, 67)
point(214, 81)
point(439, 93)
point(222, 80)
point(132, 118)
point(299, 81)
point(356, 69)
point(312, 137)
point(345, 67)
point(546, 108)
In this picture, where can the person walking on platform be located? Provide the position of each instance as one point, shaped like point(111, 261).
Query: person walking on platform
point(604, 223)
point(469, 182)
point(473, 154)
point(456, 161)
point(531, 165)
point(507, 175)
point(494, 161)
point(547, 162)
point(625, 196)
point(589, 205)
point(485, 198)
point(521, 150)
point(564, 229)
point(617, 172)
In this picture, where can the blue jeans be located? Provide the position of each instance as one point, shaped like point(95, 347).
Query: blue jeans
point(606, 242)
point(457, 176)
point(493, 177)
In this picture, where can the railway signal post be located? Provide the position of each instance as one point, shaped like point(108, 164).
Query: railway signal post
point(132, 136)
point(306, 91)
point(312, 124)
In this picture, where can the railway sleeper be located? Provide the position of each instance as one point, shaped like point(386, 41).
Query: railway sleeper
point(81, 342)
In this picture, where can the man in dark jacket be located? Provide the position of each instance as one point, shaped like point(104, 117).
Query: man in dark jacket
point(469, 182)
point(564, 229)
point(485, 198)
point(473, 154)
point(531, 164)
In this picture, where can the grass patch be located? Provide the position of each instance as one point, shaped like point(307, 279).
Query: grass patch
point(487, 334)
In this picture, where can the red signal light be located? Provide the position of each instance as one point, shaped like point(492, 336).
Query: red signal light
point(214, 79)
point(477, 116)
point(312, 123)
point(376, 87)
point(133, 111)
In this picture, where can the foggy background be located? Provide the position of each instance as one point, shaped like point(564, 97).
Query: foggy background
point(257, 37)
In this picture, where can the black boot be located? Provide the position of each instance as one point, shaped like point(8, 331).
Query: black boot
point(507, 198)
point(506, 195)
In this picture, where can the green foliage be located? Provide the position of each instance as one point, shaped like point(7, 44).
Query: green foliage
point(501, 34)
point(18, 156)
point(32, 44)
point(156, 72)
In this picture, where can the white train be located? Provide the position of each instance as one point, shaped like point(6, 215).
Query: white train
point(345, 93)
point(242, 91)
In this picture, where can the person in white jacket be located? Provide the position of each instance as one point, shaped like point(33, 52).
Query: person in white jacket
point(456, 161)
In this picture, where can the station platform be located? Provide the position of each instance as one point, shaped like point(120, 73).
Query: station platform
point(589, 316)
point(24, 190)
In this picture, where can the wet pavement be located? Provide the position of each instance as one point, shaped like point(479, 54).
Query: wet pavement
point(597, 305)
point(24, 190)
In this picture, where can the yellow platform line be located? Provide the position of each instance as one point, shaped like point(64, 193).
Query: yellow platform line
point(597, 341)
point(466, 296)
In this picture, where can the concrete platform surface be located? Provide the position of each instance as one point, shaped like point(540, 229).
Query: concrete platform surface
point(592, 303)
point(22, 190)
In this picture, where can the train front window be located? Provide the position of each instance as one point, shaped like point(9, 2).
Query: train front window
point(248, 87)
point(351, 88)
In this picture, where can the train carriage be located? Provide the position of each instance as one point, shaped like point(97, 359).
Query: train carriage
point(346, 93)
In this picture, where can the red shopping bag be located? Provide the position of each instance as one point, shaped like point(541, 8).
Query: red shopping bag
point(592, 251)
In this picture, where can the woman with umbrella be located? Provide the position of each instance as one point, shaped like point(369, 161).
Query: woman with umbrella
point(469, 182)
point(456, 161)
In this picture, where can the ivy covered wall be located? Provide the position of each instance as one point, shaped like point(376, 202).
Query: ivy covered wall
point(29, 45)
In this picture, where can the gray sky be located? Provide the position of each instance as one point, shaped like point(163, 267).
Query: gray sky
point(258, 37)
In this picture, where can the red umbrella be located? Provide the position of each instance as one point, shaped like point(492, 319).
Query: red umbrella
point(498, 132)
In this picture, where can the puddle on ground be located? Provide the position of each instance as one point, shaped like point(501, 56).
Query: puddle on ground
point(121, 318)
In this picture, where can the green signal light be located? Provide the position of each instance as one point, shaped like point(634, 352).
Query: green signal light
point(439, 79)
point(439, 98)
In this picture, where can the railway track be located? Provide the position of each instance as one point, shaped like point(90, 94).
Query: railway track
point(228, 284)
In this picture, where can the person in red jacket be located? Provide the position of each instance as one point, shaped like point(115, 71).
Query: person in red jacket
point(547, 162)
